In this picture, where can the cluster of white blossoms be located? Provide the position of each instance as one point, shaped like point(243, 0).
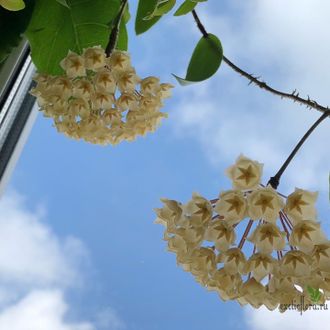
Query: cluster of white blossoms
point(101, 99)
point(288, 252)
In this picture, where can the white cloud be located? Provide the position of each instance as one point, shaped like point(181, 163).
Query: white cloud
point(36, 269)
point(39, 310)
point(287, 42)
point(30, 253)
point(262, 319)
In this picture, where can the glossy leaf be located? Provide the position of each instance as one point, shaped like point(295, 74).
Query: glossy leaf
point(185, 8)
point(54, 29)
point(122, 42)
point(145, 9)
point(164, 7)
point(205, 60)
point(12, 5)
point(12, 25)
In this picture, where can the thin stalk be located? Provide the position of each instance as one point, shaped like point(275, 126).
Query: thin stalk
point(275, 180)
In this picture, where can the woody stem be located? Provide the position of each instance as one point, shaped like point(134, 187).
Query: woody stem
point(113, 38)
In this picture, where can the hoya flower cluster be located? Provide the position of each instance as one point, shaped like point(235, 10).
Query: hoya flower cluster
point(101, 99)
point(287, 253)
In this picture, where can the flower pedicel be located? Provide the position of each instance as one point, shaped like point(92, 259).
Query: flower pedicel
point(289, 253)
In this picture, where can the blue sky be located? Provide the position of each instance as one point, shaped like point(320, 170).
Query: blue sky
point(103, 197)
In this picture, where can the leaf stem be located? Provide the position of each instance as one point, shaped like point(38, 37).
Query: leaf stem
point(113, 38)
point(294, 96)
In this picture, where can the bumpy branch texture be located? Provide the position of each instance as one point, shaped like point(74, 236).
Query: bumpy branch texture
point(294, 96)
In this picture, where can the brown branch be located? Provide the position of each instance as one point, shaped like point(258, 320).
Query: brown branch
point(294, 96)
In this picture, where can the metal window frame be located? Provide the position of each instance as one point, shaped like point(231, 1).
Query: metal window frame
point(18, 109)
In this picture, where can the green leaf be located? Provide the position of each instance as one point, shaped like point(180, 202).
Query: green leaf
point(12, 25)
point(122, 43)
point(185, 8)
point(314, 294)
point(205, 60)
point(127, 14)
point(54, 29)
point(12, 5)
point(63, 2)
point(145, 9)
point(164, 8)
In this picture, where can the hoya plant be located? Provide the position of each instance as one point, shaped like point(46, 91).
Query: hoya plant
point(251, 243)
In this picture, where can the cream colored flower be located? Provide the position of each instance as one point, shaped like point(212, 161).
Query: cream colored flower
point(280, 283)
point(119, 61)
point(111, 119)
point(111, 116)
point(295, 264)
point(82, 88)
point(226, 285)
point(127, 101)
point(253, 292)
point(199, 210)
point(222, 281)
point(102, 100)
point(104, 81)
point(127, 81)
point(268, 237)
point(61, 86)
point(260, 265)
point(306, 234)
point(232, 206)
point(222, 234)
point(191, 235)
point(321, 257)
point(170, 215)
point(94, 58)
point(79, 107)
point(165, 90)
point(74, 65)
point(177, 245)
point(300, 205)
point(270, 301)
point(245, 173)
point(203, 261)
point(234, 261)
point(265, 204)
point(150, 85)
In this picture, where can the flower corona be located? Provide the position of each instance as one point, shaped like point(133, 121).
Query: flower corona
point(101, 99)
point(288, 252)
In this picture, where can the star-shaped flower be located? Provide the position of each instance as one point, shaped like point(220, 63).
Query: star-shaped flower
point(300, 205)
point(231, 206)
point(245, 173)
point(321, 256)
point(296, 264)
point(234, 261)
point(265, 203)
point(306, 234)
point(94, 58)
point(268, 237)
point(221, 233)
